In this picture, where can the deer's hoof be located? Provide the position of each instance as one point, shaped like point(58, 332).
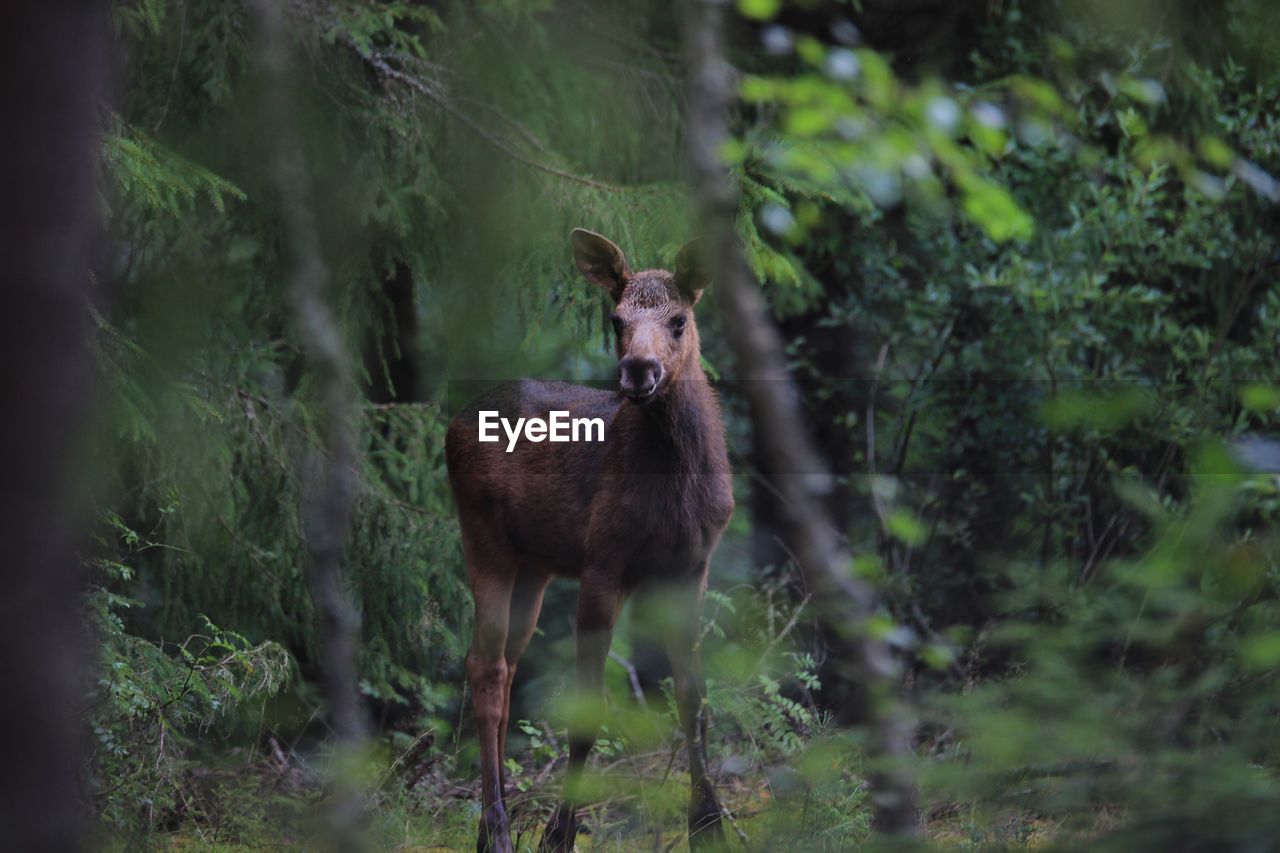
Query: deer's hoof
point(706, 828)
point(495, 836)
point(705, 832)
point(561, 832)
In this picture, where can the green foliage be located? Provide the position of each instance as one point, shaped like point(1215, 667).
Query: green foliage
point(1036, 407)
point(763, 688)
point(153, 700)
point(155, 183)
point(846, 126)
point(372, 29)
point(140, 17)
point(1154, 678)
point(208, 411)
point(1022, 281)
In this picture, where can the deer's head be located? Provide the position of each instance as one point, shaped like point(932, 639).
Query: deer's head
point(653, 325)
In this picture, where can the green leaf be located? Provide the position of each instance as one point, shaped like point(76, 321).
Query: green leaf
point(905, 527)
point(760, 10)
point(1261, 651)
point(1261, 398)
point(1102, 411)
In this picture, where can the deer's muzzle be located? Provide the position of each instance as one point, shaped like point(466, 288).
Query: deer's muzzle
point(639, 377)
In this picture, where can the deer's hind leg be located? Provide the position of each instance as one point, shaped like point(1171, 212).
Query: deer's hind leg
point(491, 570)
point(526, 604)
point(599, 601)
point(682, 635)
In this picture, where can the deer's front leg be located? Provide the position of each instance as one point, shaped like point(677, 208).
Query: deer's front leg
point(599, 600)
point(690, 690)
point(487, 675)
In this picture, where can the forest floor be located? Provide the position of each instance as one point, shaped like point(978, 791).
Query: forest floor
point(267, 802)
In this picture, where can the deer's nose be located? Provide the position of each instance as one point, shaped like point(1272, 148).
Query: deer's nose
point(639, 377)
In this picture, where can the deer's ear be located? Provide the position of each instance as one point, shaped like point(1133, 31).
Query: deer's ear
point(691, 270)
point(600, 261)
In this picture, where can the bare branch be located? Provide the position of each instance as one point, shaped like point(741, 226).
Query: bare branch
point(379, 62)
point(632, 675)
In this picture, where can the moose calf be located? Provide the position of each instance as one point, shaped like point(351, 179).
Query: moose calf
point(640, 511)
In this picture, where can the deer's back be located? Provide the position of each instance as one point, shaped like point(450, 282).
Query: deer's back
point(536, 499)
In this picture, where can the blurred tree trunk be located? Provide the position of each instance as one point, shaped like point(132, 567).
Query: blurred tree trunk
point(51, 68)
point(328, 475)
point(831, 383)
point(845, 602)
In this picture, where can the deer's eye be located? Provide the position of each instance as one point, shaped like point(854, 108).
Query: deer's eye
point(617, 324)
point(677, 325)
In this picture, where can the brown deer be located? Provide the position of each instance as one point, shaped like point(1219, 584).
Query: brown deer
point(641, 510)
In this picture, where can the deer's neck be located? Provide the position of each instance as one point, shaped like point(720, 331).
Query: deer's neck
point(681, 432)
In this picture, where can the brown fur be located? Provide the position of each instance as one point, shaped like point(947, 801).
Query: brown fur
point(644, 508)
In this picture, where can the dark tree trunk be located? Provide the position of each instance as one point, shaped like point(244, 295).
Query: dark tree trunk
point(845, 602)
point(51, 67)
point(831, 384)
point(391, 358)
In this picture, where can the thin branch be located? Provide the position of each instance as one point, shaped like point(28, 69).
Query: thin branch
point(634, 677)
point(416, 83)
